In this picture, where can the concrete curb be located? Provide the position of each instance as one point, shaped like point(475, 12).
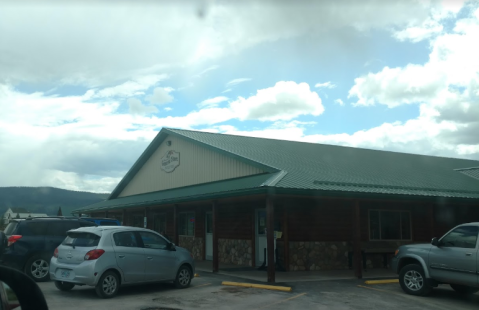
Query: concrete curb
point(265, 287)
point(382, 281)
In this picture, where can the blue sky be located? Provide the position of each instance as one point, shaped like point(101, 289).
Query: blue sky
point(84, 88)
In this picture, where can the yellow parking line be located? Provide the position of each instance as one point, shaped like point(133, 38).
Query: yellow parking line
point(201, 285)
point(382, 281)
point(266, 287)
point(281, 301)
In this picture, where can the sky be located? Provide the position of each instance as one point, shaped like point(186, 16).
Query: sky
point(85, 86)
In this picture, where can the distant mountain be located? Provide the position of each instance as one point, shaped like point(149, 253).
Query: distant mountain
point(46, 199)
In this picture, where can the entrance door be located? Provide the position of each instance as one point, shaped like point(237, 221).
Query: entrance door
point(209, 236)
point(260, 236)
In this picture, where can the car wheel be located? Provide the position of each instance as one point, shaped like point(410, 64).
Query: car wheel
point(108, 285)
point(64, 286)
point(183, 277)
point(413, 280)
point(463, 289)
point(38, 268)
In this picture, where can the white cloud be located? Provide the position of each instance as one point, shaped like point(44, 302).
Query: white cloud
point(237, 81)
point(325, 85)
point(138, 108)
point(212, 102)
point(127, 89)
point(226, 90)
point(161, 95)
point(202, 73)
point(167, 109)
point(107, 42)
point(339, 101)
point(284, 101)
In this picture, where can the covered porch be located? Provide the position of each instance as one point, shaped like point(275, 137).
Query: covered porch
point(319, 237)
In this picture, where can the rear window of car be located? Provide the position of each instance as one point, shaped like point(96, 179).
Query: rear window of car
point(81, 239)
point(10, 228)
point(34, 228)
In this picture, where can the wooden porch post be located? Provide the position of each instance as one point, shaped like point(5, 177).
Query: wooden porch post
point(215, 236)
point(175, 224)
point(270, 238)
point(285, 238)
point(253, 237)
point(358, 272)
point(431, 220)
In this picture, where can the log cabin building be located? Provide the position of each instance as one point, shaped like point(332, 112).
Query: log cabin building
point(246, 201)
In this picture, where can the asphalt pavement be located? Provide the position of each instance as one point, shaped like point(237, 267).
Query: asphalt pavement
point(206, 292)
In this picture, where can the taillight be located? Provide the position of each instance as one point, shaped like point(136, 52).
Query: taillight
point(94, 254)
point(55, 253)
point(13, 239)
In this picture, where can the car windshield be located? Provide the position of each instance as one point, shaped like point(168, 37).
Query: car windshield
point(77, 239)
point(280, 142)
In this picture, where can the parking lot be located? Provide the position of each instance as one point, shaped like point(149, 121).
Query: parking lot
point(207, 292)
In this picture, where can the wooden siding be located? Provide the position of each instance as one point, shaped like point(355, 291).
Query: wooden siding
point(235, 221)
point(197, 165)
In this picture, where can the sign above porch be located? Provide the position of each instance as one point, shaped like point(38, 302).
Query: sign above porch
point(170, 161)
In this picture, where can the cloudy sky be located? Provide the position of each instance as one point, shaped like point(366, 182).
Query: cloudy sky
point(84, 87)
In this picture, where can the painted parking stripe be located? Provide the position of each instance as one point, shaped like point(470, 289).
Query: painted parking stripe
point(284, 300)
point(382, 281)
point(201, 285)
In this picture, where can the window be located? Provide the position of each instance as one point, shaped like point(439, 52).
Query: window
point(31, 228)
point(10, 228)
point(187, 224)
point(461, 237)
point(153, 241)
point(137, 221)
point(125, 239)
point(389, 225)
point(159, 223)
point(81, 239)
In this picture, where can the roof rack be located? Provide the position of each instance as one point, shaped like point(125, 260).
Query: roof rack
point(51, 217)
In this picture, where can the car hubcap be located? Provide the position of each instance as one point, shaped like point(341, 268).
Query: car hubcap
point(184, 277)
point(109, 285)
point(39, 268)
point(413, 280)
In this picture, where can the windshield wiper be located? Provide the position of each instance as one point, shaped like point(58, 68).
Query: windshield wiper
point(70, 244)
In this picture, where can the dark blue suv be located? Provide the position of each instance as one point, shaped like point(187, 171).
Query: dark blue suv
point(28, 245)
point(102, 221)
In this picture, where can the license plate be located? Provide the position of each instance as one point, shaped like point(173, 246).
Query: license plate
point(65, 273)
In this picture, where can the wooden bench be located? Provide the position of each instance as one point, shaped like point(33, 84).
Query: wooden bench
point(373, 250)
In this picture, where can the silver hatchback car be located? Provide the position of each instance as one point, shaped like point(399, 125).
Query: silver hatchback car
point(109, 256)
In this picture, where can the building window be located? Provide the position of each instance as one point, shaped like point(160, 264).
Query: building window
point(186, 224)
point(159, 223)
point(389, 225)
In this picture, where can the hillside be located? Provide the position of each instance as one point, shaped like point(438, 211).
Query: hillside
point(46, 199)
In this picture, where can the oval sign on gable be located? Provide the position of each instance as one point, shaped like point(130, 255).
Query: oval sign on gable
point(170, 161)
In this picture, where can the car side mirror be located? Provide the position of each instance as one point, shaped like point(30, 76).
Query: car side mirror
point(17, 289)
point(435, 242)
point(171, 246)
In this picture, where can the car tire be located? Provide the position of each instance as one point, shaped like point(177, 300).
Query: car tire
point(413, 281)
point(108, 285)
point(183, 277)
point(64, 286)
point(38, 268)
point(463, 289)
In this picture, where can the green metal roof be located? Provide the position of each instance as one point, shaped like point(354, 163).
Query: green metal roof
point(311, 166)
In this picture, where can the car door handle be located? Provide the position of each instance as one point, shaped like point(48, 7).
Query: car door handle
point(121, 256)
point(468, 254)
